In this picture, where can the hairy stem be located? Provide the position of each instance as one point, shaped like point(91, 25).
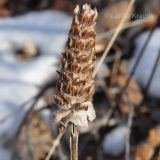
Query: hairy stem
point(74, 143)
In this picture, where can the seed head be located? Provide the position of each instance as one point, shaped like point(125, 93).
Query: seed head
point(75, 86)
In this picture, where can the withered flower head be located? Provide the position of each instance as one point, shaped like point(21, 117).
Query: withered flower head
point(76, 84)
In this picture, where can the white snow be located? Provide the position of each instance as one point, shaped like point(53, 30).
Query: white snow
point(19, 79)
point(4, 154)
point(114, 142)
point(145, 67)
point(34, 72)
point(47, 29)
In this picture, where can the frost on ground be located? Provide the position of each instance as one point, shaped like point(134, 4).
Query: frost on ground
point(145, 67)
point(19, 79)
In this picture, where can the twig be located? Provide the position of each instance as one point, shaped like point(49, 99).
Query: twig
point(18, 109)
point(25, 117)
point(74, 143)
point(129, 125)
point(118, 30)
point(139, 57)
point(116, 64)
point(152, 73)
point(34, 102)
point(56, 142)
point(54, 132)
point(23, 105)
point(126, 26)
point(54, 145)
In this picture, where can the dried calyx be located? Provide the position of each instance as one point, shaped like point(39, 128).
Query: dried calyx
point(76, 84)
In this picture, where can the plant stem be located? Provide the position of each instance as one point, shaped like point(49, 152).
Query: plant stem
point(74, 143)
point(126, 26)
point(54, 146)
point(129, 126)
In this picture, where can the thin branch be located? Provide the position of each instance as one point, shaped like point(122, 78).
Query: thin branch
point(117, 32)
point(56, 142)
point(54, 146)
point(18, 109)
point(34, 102)
point(23, 105)
point(139, 57)
point(126, 26)
point(152, 73)
point(116, 64)
point(129, 125)
point(25, 117)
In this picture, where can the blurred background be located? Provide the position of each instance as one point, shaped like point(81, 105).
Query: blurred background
point(33, 34)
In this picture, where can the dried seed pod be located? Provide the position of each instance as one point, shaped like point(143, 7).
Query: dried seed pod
point(90, 32)
point(66, 77)
point(83, 106)
point(80, 81)
point(75, 86)
point(61, 101)
point(78, 106)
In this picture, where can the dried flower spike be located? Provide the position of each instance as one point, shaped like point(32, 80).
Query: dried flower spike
point(76, 84)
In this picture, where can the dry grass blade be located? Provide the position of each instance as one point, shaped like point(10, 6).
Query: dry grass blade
point(22, 106)
point(126, 26)
point(54, 146)
point(119, 28)
point(30, 101)
point(154, 69)
point(116, 64)
point(129, 125)
point(140, 57)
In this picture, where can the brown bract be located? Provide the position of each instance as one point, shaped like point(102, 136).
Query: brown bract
point(76, 84)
